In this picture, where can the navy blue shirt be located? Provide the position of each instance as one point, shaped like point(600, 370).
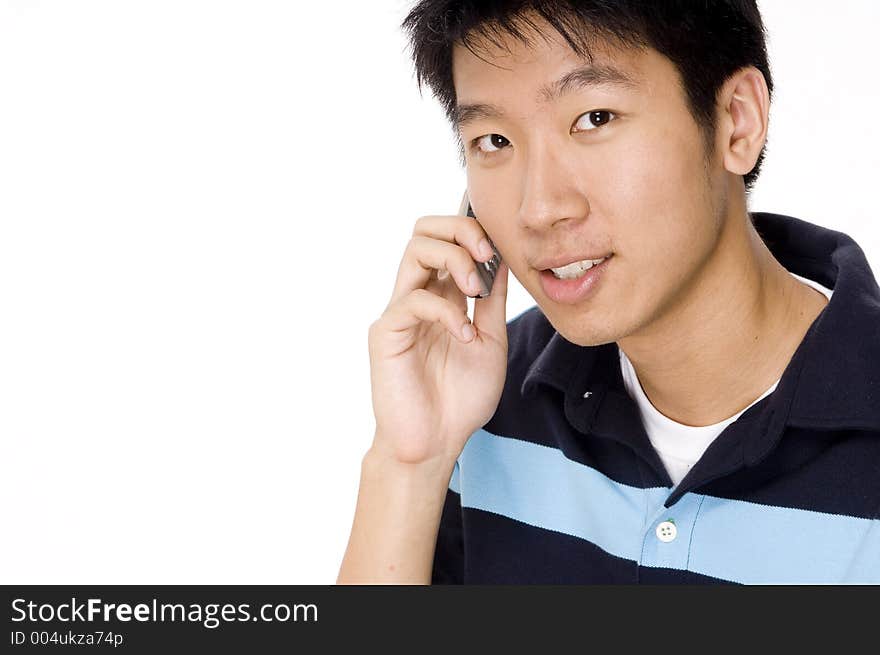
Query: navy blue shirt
point(562, 485)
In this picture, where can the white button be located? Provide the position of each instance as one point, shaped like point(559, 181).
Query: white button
point(666, 531)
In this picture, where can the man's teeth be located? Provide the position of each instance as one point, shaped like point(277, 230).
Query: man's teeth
point(576, 269)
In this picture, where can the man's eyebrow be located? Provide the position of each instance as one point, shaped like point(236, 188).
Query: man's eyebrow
point(580, 78)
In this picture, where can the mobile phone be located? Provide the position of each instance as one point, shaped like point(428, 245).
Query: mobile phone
point(486, 270)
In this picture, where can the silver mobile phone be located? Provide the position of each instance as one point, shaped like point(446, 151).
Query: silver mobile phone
point(486, 270)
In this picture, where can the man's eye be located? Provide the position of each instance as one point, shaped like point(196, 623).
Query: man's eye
point(491, 140)
point(597, 115)
point(492, 143)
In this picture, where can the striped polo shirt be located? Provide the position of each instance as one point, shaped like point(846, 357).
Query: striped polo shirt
point(563, 485)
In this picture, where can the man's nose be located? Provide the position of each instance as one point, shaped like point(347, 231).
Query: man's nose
point(552, 190)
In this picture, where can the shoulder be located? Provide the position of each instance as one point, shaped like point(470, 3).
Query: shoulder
point(530, 348)
point(528, 333)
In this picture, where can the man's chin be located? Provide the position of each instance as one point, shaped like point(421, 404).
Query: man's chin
point(583, 331)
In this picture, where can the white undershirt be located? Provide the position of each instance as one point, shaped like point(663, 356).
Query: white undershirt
point(678, 445)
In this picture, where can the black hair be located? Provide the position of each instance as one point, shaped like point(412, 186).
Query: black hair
point(707, 41)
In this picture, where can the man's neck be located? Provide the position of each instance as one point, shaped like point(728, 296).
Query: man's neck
point(729, 337)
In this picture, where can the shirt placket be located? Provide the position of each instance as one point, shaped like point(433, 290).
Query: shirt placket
point(666, 540)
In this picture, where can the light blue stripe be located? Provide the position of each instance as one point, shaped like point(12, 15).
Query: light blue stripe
point(779, 545)
point(728, 539)
point(537, 485)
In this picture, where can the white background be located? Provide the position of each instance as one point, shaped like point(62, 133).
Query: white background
point(203, 205)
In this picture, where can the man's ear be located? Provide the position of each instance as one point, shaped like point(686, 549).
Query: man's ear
point(744, 115)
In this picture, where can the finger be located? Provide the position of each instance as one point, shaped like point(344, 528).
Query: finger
point(484, 246)
point(419, 306)
point(424, 255)
point(490, 313)
point(464, 231)
point(443, 285)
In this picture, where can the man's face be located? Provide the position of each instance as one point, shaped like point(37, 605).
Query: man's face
point(602, 169)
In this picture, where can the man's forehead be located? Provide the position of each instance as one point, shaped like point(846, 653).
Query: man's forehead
point(508, 58)
point(503, 50)
point(605, 71)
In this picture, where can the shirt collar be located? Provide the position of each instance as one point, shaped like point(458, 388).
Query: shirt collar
point(832, 380)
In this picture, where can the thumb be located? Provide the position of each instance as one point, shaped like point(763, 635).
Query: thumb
point(490, 313)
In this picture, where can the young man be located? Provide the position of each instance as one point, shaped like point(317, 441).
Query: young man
point(700, 404)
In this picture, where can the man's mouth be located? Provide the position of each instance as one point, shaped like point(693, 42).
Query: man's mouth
point(576, 269)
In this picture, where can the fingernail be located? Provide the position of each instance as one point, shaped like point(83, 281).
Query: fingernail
point(485, 248)
point(474, 283)
point(467, 332)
